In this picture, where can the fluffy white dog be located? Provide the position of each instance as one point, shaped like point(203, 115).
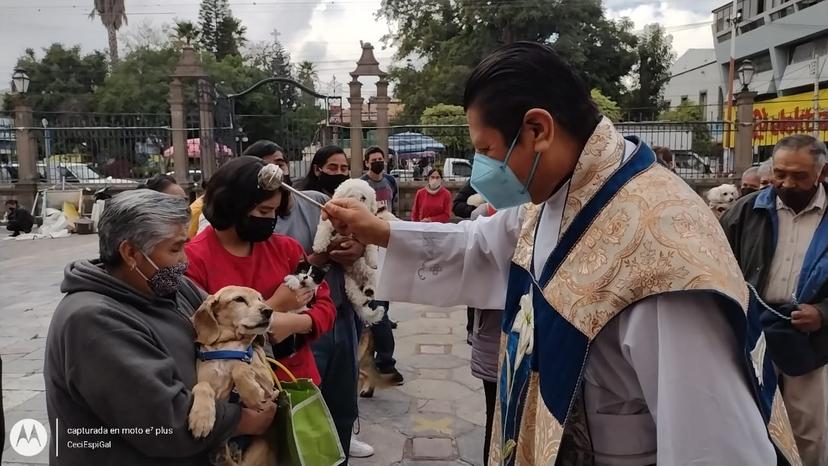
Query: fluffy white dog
point(361, 277)
point(721, 197)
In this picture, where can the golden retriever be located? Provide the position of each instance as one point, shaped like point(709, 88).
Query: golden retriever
point(233, 319)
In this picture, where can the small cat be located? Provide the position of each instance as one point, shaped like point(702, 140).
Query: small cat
point(308, 276)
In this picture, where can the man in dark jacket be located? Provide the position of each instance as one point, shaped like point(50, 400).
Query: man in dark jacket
point(20, 220)
point(780, 238)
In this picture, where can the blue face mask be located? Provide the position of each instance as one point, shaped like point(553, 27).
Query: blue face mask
point(497, 183)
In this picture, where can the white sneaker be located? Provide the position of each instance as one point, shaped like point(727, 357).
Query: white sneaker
point(360, 449)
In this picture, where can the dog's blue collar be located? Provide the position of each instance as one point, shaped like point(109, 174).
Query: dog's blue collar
point(246, 356)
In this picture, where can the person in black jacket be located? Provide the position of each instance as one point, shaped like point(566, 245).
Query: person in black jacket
point(779, 236)
point(20, 220)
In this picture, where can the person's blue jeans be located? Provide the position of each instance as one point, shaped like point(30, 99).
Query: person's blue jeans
point(383, 341)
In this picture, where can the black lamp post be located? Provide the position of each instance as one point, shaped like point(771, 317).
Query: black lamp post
point(20, 81)
point(745, 72)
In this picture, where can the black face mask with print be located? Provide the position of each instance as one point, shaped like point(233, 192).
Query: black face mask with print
point(329, 183)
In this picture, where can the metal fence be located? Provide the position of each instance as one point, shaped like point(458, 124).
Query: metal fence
point(99, 149)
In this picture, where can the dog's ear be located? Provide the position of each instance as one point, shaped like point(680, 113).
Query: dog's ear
point(205, 323)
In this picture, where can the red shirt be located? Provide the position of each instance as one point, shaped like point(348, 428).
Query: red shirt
point(212, 267)
point(436, 207)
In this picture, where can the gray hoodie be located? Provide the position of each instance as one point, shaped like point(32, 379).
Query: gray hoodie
point(116, 358)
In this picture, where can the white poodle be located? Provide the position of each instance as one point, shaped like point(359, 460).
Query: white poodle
point(721, 197)
point(361, 277)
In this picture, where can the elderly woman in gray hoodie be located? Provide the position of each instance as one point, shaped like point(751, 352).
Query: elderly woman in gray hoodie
point(120, 352)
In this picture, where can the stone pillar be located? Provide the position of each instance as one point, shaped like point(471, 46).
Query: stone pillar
point(382, 101)
point(26, 187)
point(355, 100)
point(206, 125)
point(744, 132)
point(179, 133)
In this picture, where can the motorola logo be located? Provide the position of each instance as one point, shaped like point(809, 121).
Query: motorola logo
point(28, 437)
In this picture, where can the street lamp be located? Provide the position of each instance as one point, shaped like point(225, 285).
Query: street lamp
point(20, 81)
point(745, 72)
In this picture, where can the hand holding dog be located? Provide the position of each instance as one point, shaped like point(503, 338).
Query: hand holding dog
point(285, 299)
point(253, 422)
point(351, 218)
point(345, 251)
point(806, 318)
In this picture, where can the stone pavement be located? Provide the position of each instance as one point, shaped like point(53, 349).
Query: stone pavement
point(435, 419)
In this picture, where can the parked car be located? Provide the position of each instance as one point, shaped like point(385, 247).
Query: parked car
point(78, 174)
point(691, 165)
point(454, 169)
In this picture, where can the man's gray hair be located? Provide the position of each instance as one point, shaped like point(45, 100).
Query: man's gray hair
point(765, 169)
point(752, 171)
point(805, 141)
point(144, 218)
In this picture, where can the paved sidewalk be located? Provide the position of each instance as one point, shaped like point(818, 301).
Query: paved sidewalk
point(436, 418)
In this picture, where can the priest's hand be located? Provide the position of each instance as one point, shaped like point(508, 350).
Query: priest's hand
point(351, 218)
point(806, 318)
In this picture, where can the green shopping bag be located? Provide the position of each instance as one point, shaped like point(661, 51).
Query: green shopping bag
point(306, 432)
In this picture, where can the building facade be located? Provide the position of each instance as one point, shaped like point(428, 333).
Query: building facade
point(695, 78)
point(781, 38)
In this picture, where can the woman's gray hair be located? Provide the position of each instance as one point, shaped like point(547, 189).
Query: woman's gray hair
point(144, 218)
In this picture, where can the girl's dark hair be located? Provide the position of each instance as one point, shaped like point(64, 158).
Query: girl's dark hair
point(234, 190)
point(435, 170)
point(263, 148)
point(158, 183)
point(311, 181)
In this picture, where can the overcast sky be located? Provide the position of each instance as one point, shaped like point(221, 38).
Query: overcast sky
point(326, 33)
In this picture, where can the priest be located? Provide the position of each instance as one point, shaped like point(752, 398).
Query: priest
point(625, 326)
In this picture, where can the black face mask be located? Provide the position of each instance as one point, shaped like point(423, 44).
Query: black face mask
point(796, 199)
point(286, 180)
point(329, 183)
point(746, 191)
point(255, 229)
point(378, 166)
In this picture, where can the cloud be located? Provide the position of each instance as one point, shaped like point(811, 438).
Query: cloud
point(688, 22)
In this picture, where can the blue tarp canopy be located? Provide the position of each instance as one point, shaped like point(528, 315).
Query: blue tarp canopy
point(406, 143)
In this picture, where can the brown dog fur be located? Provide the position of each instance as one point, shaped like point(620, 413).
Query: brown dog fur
point(232, 319)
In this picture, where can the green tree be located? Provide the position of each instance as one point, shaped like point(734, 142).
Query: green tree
point(219, 32)
point(186, 32)
point(607, 106)
point(113, 16)
point(307, 76)
point(139, 84)
point(652, 71)
point(693, 115)
point(452, 37)
point(63, 79)
point(456, 139)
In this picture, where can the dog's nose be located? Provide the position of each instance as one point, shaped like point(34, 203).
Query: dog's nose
point(266, 313)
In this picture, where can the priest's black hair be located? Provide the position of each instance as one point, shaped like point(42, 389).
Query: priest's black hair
point(524, 75)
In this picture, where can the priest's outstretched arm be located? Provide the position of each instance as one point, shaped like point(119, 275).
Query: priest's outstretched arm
point(450, 264)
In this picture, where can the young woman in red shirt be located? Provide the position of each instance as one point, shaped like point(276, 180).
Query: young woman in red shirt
point(432, 203)
point(240, 249)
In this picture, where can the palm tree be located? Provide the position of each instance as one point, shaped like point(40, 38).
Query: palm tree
point(306, 73)
point(113, 16)
point(186, 32)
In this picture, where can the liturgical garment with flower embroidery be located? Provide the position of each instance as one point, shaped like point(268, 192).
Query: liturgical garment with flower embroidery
point(582, 382)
